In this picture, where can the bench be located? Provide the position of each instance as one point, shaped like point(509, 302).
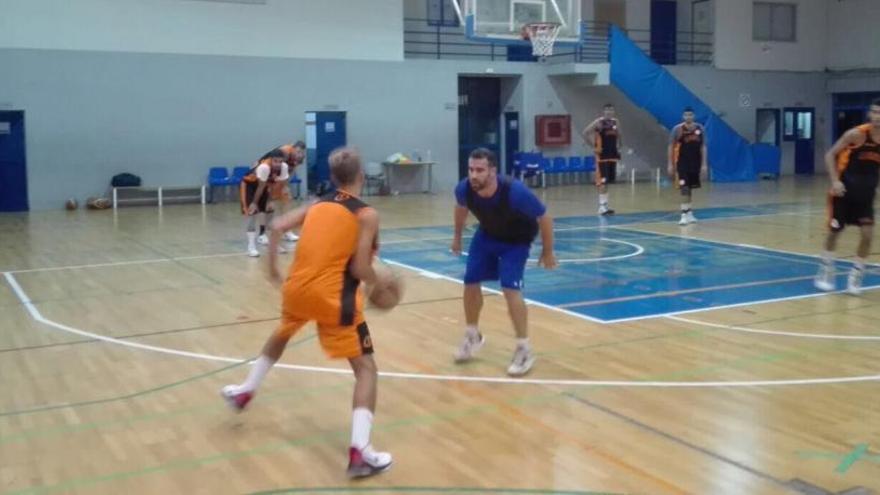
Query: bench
point(159, 196)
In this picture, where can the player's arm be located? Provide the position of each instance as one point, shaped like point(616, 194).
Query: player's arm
point(590, 128)
point(704, 151)
point(362, 263)
point(548, 258)
point(279, 226)
point(848, 139)
point(262, 173)
point(619, 138)
point(526, 202)
point(670, 151)
point(460, 216)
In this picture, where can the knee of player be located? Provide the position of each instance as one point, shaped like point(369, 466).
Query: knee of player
point(364, 366)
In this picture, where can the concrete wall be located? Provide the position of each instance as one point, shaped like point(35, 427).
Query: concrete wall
point(276, 28)
point(735, 49)
point(852, 34)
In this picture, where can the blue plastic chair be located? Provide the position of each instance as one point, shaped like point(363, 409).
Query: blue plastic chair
point(217, 177)
point(238, 174)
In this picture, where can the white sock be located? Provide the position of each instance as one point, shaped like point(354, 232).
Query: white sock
point(258, 372)
point(827, 258)
point(522, 343)
point(860, 264)
point(361, 424)
point(685, 207)
point(603, 199)
point(252, 239)
point(472, 332)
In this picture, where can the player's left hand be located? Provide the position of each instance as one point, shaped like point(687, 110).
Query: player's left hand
point(548, 260)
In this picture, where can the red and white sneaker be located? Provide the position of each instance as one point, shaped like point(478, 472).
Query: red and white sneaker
point(235, 399)
point(367, 462)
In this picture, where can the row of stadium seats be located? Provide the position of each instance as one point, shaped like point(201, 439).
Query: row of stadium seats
point(573, 168)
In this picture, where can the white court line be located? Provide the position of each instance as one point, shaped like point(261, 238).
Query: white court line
point(639, 250)
point(777, 332)
point(440, 276)
point(36, 315)
point(736, 305)
point(404, 241)
point(124, 263)
point(732, 244)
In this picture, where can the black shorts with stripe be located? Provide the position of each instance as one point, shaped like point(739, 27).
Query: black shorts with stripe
point(607, 169)
point(689, 175)
point(850, 209)
point(248, 191)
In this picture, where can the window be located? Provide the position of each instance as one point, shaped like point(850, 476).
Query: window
point(774, 21)
point(441, 13)
point(797, 124)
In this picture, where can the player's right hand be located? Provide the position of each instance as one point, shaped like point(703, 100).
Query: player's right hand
point(837, 188)
point(252, 209)
point(670, 170)
point(456, 247)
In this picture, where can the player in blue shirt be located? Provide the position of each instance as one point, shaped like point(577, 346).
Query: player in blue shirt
point(510, 217)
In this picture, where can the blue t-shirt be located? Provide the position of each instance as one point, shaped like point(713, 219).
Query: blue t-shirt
point(521, 198)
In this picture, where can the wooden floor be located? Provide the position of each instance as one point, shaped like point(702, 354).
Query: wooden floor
point(118, 329)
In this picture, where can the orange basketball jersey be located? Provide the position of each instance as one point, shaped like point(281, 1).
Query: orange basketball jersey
point(320, 285)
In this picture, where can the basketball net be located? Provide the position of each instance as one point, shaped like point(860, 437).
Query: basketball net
point(542, 35)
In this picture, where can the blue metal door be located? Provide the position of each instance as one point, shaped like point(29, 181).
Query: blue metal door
point(799, 126)
point(511, 139)
point(325, 131)
point(13, 162)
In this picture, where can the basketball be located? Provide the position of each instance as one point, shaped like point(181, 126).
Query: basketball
point(388, 290)
point(71, 204)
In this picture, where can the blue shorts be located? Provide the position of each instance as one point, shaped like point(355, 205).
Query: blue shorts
point(489, 259)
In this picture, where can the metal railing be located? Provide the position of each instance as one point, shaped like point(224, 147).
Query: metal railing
point(422, 40)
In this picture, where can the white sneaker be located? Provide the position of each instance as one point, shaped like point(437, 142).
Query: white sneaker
point(469, 348)
point(263, 239)
point(691, 218)
point(282, 249)
point(684, 219)
point(252, 252)
point(235, 398)
point(854, 282)
point(290, 237)
point(522, 362)
point(604, 210)
point(367, 462)
point(824, 280)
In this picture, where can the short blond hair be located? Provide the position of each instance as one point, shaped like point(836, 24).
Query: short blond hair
point(345, 165)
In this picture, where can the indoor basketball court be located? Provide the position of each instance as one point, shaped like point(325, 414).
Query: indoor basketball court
point(669, 359)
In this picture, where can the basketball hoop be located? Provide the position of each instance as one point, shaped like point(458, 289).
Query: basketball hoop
point(542, 35)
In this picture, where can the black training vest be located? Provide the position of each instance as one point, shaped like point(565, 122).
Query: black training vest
point(500, 221)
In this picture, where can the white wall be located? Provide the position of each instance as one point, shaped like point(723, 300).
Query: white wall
point(735, 49)
point(720, 89)
point(853, 34)
point(280, 28)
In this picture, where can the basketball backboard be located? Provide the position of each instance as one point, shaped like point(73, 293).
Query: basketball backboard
point(501, 21)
